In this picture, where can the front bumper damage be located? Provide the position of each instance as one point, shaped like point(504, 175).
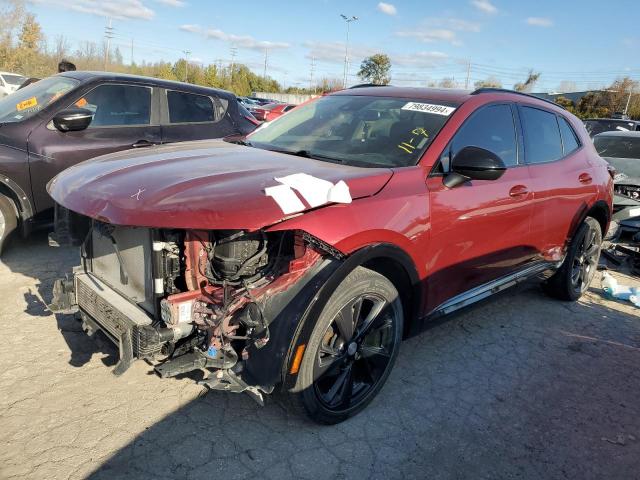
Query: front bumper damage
point(139, 337)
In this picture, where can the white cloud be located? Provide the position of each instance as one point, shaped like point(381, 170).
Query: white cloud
point(540, 21)
point(428, 36)
point(242, 41)
point(485, 6)
point(333, 52)
point(452, 24)
point(118, 9)
point(173, 3)
point(419, 59)
point(387, 8)
point(441, 29)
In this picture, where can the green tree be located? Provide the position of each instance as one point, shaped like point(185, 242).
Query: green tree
point(489, 82)
point(375, 69)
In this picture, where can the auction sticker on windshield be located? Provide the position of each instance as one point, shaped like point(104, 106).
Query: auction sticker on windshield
point(28, 103)
point(429, 108)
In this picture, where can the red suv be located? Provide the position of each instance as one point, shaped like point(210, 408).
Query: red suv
point(303, 254)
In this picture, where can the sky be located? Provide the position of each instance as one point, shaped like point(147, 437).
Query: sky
point(586, 43)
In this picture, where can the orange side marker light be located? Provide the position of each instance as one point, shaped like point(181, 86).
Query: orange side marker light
point(297, 359)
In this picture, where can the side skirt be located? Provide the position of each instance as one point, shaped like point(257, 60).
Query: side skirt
point(488, 289)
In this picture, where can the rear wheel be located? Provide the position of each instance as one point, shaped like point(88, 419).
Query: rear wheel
point(352, 348)
point(580, 265)
point(8, 220)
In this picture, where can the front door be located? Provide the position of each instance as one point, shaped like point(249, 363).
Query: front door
point(480, 231)
point(122, 120)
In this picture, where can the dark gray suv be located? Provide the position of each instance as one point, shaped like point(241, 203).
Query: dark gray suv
point(70, 117)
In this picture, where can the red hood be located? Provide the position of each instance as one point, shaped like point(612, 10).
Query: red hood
point(199, 185)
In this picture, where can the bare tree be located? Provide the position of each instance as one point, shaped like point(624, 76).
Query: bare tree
point(61, 47)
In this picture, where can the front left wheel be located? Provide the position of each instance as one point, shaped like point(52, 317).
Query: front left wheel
point(352, 348)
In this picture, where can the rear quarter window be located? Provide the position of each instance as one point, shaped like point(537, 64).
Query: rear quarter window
point(570, 141)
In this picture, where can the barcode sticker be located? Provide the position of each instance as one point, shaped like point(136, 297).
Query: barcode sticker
point(429, 108)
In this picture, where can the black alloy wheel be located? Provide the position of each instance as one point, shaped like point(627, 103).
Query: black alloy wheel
point(355, 352)
point(352, 348)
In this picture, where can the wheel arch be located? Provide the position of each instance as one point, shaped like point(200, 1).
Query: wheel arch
point(20, 200)
point(599, 210)
point(388, 260)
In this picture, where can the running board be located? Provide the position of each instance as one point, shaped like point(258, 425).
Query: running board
point(488, 289)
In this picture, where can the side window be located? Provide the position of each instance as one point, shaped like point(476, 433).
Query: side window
point(118, 105)
point(491, 128)
point(542, 141)
point(569, 138)
point(289, 107)
point(189, 108)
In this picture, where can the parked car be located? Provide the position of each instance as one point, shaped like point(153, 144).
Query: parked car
point(598, 125)
point(622, 151)
point(303, 254)
point(70, 117)
point(266, 113)
point(262, 101)
point(10, 82)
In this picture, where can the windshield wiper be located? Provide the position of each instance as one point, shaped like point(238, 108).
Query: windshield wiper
point(244, 143)
point(307, 154)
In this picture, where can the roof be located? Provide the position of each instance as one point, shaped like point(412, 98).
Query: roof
point(618, 133)
point(441, 94)
point(84, 76)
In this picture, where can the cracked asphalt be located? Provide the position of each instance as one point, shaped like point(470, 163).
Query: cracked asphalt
point(517, 387)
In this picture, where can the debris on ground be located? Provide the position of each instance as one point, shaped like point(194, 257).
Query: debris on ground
point(612, 289)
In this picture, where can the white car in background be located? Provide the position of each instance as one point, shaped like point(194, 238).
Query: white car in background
point(10, 82)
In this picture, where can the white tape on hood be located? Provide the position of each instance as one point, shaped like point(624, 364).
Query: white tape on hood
point(315, 191)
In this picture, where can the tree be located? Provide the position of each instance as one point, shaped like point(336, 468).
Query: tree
point(528, 84)
point(489, 82)
point(447, 82)
point(31, 34)
point(375, 69)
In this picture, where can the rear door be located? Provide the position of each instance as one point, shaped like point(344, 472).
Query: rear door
point(561, 177)
point(124, 117)
point(480, 231)
point(193, 116)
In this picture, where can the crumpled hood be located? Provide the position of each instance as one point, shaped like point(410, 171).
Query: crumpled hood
point(201, 185)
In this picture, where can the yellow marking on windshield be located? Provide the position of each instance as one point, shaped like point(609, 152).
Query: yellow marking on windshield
point(28, 103)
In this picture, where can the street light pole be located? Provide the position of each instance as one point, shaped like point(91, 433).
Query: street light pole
point(346, 48)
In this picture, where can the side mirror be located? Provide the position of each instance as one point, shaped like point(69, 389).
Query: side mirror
point(474, 163)
point(73, 119)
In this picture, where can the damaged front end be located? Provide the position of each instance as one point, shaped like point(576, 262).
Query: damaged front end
point(228, 302)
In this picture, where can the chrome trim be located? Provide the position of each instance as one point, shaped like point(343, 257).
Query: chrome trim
point(488, 289)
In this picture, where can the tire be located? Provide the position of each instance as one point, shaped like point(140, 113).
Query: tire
point(348, 358)
point(8, 220)
point(580, 265)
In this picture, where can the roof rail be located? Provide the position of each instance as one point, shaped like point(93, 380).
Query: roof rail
point(506, 90)
point(364, 85)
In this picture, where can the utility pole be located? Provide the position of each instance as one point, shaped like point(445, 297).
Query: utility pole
point(346, 48)
point(186, 64)
point(313, 66)
point(466, 82)
point(266, 54)
point(132, 52)
point(108, 33)
point(626, 108)
point(234, 52)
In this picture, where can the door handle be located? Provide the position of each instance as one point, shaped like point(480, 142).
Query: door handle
point(142, 143)
point(585, 178)
point(518, 191)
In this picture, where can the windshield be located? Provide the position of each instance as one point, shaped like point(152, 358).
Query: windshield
point(618, 147)
point(28, 101)
point(356, 130)
point(14, 80)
